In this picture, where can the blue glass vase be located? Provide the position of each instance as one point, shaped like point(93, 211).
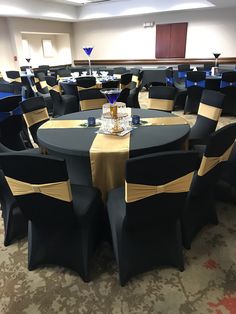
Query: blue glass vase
point(88, 50)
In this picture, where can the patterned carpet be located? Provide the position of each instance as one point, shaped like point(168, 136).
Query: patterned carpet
point(208, 284)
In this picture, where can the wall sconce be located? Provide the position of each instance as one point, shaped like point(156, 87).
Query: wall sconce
point(148, 24)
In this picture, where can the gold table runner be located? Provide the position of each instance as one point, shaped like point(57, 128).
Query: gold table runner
point(108, 155)
point(163, 121)
point(64, 124)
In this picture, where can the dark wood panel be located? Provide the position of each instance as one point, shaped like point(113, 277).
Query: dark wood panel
point(177, 43)
point(163, 38)
point(162, 61)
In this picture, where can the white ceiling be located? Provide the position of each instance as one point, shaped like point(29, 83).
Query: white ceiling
point(65, 10)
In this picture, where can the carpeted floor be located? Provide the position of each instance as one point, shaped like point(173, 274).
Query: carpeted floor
point(208, 284)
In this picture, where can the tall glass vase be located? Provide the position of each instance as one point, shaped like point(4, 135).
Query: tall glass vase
point(216, 55)
point(88, 50)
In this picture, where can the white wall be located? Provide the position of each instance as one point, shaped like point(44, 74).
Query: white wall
point(209, 30)
point(15, 27)
point(61, 49)
point(6, 59)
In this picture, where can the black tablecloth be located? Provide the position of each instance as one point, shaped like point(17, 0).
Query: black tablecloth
point(74, 144)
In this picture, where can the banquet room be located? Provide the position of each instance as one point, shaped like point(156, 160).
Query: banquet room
point(117, 156)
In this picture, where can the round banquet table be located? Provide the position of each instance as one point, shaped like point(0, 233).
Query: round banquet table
point(73, 144)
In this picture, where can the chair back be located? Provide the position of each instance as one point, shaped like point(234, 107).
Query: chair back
point(41, 84)
point(125, 80)
point(35, 114)
point(155, 188)
point(110, 84)
point(195, 83)
point(218, 148)
point(209, 112)
point(161, 98)
point(40, 185)
point(228, 88)
point(11, 122)
point(70, 89)
point(63, 73)
point(91, 98)
point(182, 70)
point(169, 73)
point(15, 80)
point(86, 82)
point(118, 71)
point(58, 108)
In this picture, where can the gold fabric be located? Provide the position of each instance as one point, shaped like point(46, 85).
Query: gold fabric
point(123, 86)
point(36, 116)
point(160, 104)
point(10, 80)
point(36, 80)
point(59, 190)
point(43, 84)
point(63, 124)
point(135, 79)
point(89, 104)
point(34, 88)
point(57, 88)
point(98, 85)
point(209, 163)
point(108, 155)
point(172, 120)
point(135, 192)
point(209, 112)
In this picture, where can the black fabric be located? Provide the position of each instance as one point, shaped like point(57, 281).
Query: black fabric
point(119, 70)
point(11, 128)
point(132, 100)
point(86, 82)
point(162, 92)
point(200, 207)
point(147, 233)
point(91, 93)
point(64, 72)
point(229, 106)
point(63, 104)
point(16, 86)
point(30, 105)
point(111, 84)
point(61, 233)
point(41, 77)
point(194, 93)
point(204, 126)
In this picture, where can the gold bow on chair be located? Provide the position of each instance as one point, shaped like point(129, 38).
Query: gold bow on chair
point(209, 163)
point(59, 190)
point(135, 192)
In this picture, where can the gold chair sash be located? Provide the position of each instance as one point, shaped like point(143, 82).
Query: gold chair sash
point(135, 79)
point(135, 192)
point(34, 88)
point(108, 155)
point(36, 116)
point(98, 85)
point(209, 163)
point(89, 104)
point(36, 79)
point(123, 86)
point(160, 104)
point(209, 112)
point(43, 84)
point(10, 80)
point(59, 190)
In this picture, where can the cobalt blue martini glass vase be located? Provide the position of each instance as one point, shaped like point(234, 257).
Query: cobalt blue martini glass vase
point(216, 55)
point(88, 50)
